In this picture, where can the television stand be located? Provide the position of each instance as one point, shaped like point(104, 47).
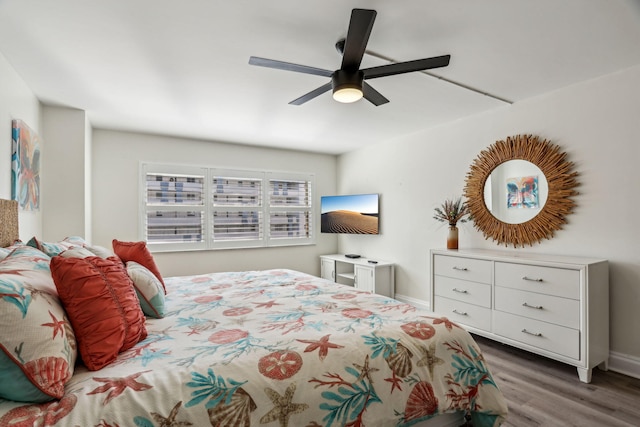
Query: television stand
point(370, 275)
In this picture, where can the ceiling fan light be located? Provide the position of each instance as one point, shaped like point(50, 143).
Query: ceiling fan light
point(347, 86)
point(347, 95)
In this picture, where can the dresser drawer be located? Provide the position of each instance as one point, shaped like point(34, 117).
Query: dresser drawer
point(464, 313)
point(462, 290)
point(547, 308)
point(545, 280)
point(474, 270)
point(549, 337)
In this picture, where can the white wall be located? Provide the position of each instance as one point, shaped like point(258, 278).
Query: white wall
point(116, 157)
point(88, 178)
point(596, 122)
point(65, 173)
point(17, 101)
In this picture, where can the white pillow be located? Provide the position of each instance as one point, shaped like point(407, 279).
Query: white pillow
point(149, 289)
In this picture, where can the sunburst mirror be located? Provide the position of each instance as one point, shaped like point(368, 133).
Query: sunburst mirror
point(520, 190)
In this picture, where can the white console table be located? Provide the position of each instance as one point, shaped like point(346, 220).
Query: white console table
point(359, 272)
point(555, 306)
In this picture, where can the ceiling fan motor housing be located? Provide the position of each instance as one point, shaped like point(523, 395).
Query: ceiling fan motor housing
point(347, 85)
point(343, 79)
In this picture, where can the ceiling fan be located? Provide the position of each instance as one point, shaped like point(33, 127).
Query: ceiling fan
point(348, 82)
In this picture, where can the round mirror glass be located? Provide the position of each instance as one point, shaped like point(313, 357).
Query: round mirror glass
point(515, 191)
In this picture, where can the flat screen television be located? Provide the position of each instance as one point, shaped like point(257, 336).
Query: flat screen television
point(350, 214)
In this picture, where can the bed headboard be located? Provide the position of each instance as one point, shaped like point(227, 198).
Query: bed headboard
point(8, 222)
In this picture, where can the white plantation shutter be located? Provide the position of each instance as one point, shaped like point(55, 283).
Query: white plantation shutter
point(290, 215)
point(174, 226)
point(175, 189)
point(174, 204)
point(188, 208)
point(240, 225)
point(237, 206)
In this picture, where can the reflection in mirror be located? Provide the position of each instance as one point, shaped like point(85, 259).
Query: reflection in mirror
point(516, 191)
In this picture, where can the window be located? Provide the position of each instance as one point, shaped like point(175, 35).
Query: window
point(188, 208)
point(289, 213)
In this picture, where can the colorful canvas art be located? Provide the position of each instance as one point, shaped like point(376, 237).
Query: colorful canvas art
point(522, 192)
point(25, 166)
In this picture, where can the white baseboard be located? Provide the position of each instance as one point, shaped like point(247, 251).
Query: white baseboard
point(413, 301)
point(624, 364)
point(618, 362)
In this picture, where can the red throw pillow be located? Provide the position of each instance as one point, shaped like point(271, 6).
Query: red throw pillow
point(102, 306)
point(137, 252)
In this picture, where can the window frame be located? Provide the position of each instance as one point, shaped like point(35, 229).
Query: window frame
point(207, 209)
point(288, 176)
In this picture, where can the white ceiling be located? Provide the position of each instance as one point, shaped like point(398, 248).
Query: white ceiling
point(181, 67)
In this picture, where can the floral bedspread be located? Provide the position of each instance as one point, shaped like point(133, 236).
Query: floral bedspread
point(279, 348)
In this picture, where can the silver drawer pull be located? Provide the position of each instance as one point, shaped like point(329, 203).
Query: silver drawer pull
point(535, 334)
point(460, 268)
point(531, 279)
point(537, 307)
point(461, 313)
point(460, 291)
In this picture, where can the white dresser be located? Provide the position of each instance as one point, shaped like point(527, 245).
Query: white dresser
point(555, 306)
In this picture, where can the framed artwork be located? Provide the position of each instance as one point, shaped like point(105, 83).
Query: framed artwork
point(522, 192)
point(25, 166)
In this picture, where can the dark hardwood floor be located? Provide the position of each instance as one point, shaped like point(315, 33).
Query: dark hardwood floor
point(543, 392)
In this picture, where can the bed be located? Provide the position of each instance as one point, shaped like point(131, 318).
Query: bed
point(275, 347)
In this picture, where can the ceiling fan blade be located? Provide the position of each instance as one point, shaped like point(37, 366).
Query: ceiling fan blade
point(309, 96)
point(357, 37)
point(406, 67)
point(372, 95)
point(288, 66)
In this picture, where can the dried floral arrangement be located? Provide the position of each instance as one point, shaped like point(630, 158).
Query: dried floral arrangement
point(452, 212)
